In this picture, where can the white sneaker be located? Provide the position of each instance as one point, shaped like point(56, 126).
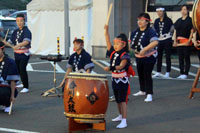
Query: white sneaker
point(158, 74)
point(7, 110)
point(118, 118)
point(112, 98)
point(179, 77)
point(139, 93)
point(19, 86)
point(166, 75)
point(182, 76)
point(123, 124)
point(25, 90)
point(148, 98)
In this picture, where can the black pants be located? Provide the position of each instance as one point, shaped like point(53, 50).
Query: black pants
point(145, 77)
point(164, 45)
point(21, 65)
point(120, 90)
point(5, 94)
point(184, 59)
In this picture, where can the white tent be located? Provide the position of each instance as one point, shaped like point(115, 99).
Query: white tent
point(47, 21)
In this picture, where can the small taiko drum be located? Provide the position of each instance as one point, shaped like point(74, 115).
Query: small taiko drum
point(196, 15)
point(86, 97)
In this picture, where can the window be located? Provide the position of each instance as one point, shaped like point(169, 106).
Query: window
point(169, 5)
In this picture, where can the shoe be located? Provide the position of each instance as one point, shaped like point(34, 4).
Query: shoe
point(182, 76)
point(148, 98)
point(166, 75)
point(158, 74)
point(25, 90)
point(123, 124)
point(19, 86)
point(139, 93)
point(179, 77)
point(118, 118)
point(7, 109)
point(112, 98)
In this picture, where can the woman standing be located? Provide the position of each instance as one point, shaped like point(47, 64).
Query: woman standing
point(144, 41)
point(183, 36)
point(164, 28)
point(21, 39)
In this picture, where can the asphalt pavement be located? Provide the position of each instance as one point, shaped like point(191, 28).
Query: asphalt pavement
point(170, 112)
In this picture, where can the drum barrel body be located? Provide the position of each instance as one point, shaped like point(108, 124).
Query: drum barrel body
point(86, 96)
point(196, 15)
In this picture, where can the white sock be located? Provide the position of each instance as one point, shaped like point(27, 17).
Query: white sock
point(123, 120)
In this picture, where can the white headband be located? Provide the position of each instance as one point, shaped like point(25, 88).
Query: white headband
point(160, 9)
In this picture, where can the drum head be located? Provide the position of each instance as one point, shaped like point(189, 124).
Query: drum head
point(87, 75)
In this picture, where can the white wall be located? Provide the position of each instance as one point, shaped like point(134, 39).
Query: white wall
point(80, 23)
point(100, 9)
point(46, 26)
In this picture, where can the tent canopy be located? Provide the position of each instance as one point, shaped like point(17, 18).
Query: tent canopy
point(47, 21)
point(58, 5)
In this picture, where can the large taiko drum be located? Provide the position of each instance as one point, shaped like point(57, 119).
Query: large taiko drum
point(196, 15)
point(86, 97)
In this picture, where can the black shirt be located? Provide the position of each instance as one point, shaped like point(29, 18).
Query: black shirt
point(183, 27)
point(163, 27)
point(80, 61)
point(116, 58)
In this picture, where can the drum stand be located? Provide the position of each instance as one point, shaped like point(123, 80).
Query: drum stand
point(194, 86)
point(53, 92)
point(77, 126)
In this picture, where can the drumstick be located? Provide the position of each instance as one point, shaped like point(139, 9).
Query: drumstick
point(11, 104)
point(129, 40)
point(6, 34)
point(97, 63)
point(7, 44)
point(108, 16)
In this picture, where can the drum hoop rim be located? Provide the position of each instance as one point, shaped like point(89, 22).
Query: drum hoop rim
point(85, 115)
point(89, 120)
point(87, 78)
point(87, 74)
point(194, 14)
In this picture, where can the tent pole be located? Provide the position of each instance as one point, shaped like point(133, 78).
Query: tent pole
point(66, 28)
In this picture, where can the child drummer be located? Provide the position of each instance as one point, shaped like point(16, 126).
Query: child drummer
point(80, 61)
point(119, 65)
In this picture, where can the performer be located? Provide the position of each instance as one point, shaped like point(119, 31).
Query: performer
point(196, 41)
point(144, 42)
point(21, 39)
point(8, 76)
point(80, 61)
point(119, 65)
point(164, 28)
point(183, 36)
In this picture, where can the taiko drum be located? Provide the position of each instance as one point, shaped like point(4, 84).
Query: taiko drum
point(86, 97)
